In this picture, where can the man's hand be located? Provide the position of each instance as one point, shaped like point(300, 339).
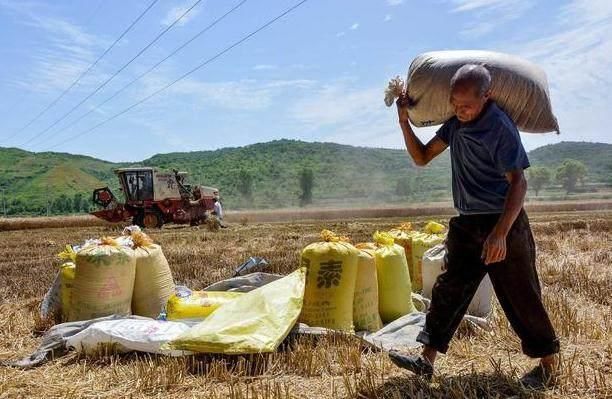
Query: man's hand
point(402, 109)
point(494, 247)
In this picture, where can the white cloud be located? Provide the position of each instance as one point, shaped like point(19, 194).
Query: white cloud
point(578, 60)
point(176, 12)
point(67, 50)
point(469, 5)
point(388, 18)
point(355, 26)
point(340, 34)
point(395, 2)
point(264, 67)
point(487, 15)
point(239, 95)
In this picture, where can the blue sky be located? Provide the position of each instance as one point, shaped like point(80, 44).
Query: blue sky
point(316, 75)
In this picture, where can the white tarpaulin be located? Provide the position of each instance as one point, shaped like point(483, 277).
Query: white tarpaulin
point(139, 334)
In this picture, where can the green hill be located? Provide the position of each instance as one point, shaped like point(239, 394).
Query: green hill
point(35, 183)
point(596, 156)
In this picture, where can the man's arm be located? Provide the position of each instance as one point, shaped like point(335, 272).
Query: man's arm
point(494, 248)
point(421, 153)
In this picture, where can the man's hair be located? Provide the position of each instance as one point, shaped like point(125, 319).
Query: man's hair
point(473, 75)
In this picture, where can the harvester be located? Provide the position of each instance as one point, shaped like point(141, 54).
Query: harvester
point(154, 198)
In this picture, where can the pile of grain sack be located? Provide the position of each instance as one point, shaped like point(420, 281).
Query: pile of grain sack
point(114, 276)
point(359, 287)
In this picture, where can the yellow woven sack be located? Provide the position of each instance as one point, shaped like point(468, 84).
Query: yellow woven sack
point(434, 228)
point(394, 287)
point(197, 304)
point(420, 244)
point(330, 283)
point(367, 245)
point(365, 304)
point(67, 274)
point(103, 282)
point(256, 322)
point(153, 284)
point(405, 239)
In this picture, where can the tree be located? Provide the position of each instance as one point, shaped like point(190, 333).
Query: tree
point(569, 173)
point(403, 187)
point(306, 185)
point(539, 176)
point(77, 202)
point(245, 184)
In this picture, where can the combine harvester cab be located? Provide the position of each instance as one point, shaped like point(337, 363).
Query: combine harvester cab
point(154, 198)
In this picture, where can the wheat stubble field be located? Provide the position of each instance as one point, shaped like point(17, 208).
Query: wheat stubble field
point(575, 265)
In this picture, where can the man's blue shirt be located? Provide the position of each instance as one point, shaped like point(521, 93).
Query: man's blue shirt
point(482, 151)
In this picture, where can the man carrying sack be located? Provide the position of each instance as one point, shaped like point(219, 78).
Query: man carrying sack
point(490, 235)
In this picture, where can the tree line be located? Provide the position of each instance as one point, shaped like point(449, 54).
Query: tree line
point(568, 175)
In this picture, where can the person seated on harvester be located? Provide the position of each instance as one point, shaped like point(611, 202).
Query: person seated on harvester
point(491, 235)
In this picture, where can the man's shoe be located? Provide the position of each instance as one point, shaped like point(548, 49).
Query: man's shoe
point(417, 364)
point(539, 378)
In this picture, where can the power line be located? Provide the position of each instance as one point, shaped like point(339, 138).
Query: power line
point(145, 48)
point(200, 66)
point(57, 99)
point(182, 46)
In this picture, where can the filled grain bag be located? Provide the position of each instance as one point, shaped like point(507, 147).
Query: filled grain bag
point(67, 274)
point(433, 266)
point(104, 280)
point(257, 322)
point(330, 283)
point(153, 284)
point(365, 303)
point(420, 244)
point(518, 86)
point(394, 287)
point(405, 238)
point(197, 305)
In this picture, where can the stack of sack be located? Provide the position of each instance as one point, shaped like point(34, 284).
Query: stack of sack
point(415, 244)
point(114, 276)
point(357, 287)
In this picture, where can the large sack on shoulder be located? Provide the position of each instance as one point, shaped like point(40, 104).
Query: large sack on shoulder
point(365, 304)
point(256, 322)
point(394, 286)
point(103, 282)
point(153, 284)
point(330, 283)
point(518, 86)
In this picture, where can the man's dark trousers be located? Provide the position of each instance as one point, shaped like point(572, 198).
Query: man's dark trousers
point(515, 281)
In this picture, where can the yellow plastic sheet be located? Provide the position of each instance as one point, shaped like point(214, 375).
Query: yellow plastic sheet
point(256, 322)
point(198, 304)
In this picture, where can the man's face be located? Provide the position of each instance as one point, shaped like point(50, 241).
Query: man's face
point(467, 103)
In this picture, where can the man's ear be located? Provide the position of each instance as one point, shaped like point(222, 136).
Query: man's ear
point(487, 94)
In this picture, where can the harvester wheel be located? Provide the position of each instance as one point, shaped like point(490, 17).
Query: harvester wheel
point(153, 220)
